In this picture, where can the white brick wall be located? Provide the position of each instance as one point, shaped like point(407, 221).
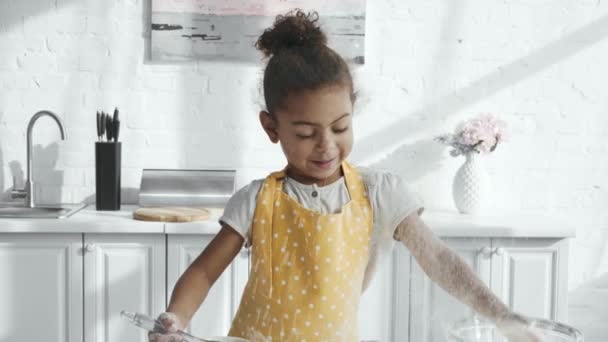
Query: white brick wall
point(540, 64)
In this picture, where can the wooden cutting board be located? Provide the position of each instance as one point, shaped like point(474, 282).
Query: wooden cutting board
point(171, 214)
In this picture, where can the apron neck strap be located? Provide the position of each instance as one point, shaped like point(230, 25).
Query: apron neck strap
point(354, 182)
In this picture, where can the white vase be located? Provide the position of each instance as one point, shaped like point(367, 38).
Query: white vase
point(471, 186)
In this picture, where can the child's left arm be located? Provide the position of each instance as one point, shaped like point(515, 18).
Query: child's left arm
point(446, 268)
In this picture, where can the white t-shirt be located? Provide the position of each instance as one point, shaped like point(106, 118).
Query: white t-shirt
point(392, 200)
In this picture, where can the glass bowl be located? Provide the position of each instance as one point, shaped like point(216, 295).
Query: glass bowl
point(476, 329)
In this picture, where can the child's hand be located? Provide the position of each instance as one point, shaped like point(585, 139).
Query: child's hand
point(516, 328)
point(170, 322)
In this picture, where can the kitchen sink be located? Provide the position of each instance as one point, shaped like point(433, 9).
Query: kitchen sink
point(42, 211)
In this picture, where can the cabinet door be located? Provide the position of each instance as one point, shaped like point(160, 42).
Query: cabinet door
point(215, 315)
point(400, 312)
point(530, 276)
point(41, 287)
point(433, 309)
point(122, 272)
point(376, 306)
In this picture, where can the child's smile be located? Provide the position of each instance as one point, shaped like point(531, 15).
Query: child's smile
point(325, 164)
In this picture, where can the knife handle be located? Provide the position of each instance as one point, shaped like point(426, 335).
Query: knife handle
point(98, 117)
point(116, 124)
point(102, 124)
point(108, 128)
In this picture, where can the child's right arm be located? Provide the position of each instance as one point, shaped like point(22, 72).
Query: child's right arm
point(194, 284)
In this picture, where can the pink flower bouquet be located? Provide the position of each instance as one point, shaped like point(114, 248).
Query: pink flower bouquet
point(480, 134)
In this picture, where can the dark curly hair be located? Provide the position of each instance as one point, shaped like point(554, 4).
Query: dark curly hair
point(299, 58)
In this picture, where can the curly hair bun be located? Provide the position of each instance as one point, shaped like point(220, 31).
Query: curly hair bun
point(294, 29)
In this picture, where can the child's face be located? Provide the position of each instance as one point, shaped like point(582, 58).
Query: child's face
point(315, 131)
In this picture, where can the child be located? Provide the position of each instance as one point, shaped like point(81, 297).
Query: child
point(315, 227)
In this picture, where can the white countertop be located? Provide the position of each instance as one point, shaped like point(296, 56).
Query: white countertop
point(454, 224)
point(443, 223)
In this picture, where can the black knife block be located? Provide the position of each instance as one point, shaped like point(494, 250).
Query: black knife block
point(107, 175)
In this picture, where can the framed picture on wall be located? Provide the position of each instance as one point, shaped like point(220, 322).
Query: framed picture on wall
point(228, 29)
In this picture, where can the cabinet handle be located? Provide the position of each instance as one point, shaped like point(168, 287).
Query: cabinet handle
point(89, 247)
point(499, 251)
point(486, 251)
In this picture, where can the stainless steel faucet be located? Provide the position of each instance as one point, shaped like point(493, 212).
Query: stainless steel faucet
point(28, 191)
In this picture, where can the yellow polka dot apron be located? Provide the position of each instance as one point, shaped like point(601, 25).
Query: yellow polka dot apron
point(307, 268)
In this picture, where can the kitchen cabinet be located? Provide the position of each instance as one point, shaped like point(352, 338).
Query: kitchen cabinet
point(215, 315)
point(67, 281)
point(378, 310)
point(72, 287)
point(41, 287)
point(430, 306)
point(529, 275)
point(121, 272)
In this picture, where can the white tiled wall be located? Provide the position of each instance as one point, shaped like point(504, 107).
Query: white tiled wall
point(539, 64)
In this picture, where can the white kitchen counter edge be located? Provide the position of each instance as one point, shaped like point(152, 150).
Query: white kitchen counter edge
point(443, 223)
